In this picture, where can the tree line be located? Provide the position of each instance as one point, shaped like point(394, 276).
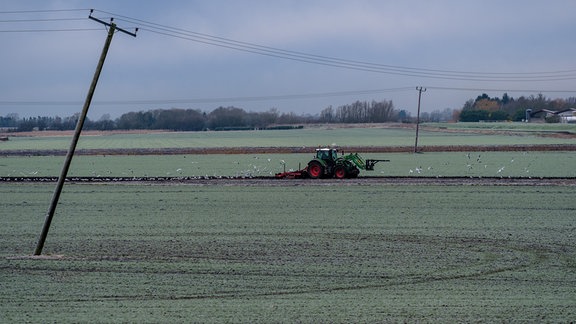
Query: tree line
point(222, 118)
point(361, 112)
point(485, 108)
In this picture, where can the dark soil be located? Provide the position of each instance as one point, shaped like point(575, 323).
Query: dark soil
point(288, 150)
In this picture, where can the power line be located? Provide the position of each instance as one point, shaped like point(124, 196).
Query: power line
point(266, 98)
point(209, 100)
point(174, 32)
point(502, 90)
point(40, 11)
point(49, 30)
point(372, 67)
point(37, 22)
point(41, 20)
point(344, 63)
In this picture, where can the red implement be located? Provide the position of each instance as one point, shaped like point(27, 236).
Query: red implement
point(292, 174)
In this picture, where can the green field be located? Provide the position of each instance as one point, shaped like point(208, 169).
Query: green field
point(184, 253)
point(509, 126)
point(439, 164)
point(476, 164)
point(524, 134)
point(291, 253)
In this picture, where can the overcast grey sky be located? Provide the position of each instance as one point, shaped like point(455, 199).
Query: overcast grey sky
point(314, 54)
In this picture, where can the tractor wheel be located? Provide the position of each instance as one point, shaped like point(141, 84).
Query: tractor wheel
point(354, 173)
point(340, 172)
point(315, 170)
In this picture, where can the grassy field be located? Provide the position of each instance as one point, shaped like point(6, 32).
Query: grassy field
point(475, 164)
point(508, 126)
point(345, 253)
point(308, 137)
point(184, 253)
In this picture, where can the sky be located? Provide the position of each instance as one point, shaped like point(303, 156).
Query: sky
point(293, 56)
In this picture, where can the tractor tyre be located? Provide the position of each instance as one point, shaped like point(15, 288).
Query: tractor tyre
point(315, 170)
point(340, 172)
point(353, 173)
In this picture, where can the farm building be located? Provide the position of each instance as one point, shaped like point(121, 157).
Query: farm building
point(568, 115)
point(561, 116)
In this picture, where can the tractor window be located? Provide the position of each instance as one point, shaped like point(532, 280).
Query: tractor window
point(327, 154)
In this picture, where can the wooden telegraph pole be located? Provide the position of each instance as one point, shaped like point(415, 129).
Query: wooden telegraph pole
point(112, 28)
point(420, 90)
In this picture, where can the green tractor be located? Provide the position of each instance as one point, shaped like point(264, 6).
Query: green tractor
point(327, 164)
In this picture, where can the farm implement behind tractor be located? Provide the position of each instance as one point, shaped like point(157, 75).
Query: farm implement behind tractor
point(327, 164)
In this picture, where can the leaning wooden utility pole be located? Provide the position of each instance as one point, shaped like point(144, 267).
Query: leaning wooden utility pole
point(420, 90)
point(62, 178)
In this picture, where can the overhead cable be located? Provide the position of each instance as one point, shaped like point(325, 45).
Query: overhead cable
point(345, 63)
point(209, 100)
point(174, 32)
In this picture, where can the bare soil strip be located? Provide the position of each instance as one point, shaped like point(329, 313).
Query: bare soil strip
point(271, 181)
point(293, 149)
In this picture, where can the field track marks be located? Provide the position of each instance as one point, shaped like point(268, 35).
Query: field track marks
point(315, 267)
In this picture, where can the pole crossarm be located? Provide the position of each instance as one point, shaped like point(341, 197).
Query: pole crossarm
point(111, 24)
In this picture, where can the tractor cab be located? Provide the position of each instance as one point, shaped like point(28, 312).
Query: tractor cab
point(326, 154)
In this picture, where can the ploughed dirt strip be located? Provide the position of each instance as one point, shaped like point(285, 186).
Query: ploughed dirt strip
point(291, 149)
point(271, 181)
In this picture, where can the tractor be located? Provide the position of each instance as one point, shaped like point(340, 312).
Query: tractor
point(327, 164)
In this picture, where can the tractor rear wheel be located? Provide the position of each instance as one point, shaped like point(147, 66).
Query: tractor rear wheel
point(340, 172)
point(315, 169)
